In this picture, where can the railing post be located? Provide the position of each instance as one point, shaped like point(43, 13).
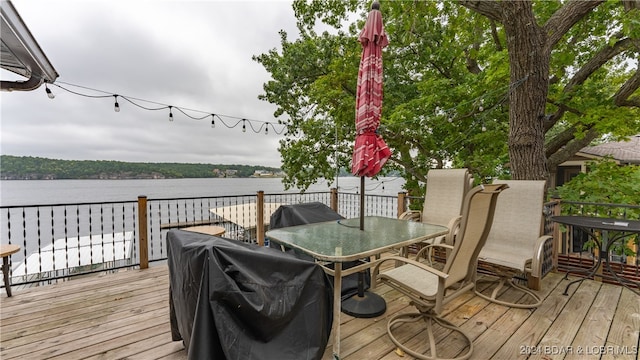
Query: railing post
point(556, 234)
point(402, 202)
point(334, 199)
point(143, 232)
point(260, 218)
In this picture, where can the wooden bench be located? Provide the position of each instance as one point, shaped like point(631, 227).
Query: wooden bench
point(5, 251)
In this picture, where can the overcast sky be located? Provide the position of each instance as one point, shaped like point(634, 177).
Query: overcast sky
point(189, 54)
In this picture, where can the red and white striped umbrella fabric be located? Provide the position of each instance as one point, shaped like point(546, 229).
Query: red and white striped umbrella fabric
point(370, 151)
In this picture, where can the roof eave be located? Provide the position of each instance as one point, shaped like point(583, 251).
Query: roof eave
point(21, 53)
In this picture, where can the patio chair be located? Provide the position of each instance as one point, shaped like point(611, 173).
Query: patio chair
point(516, 246)
point(446, 189)
point(430, 289)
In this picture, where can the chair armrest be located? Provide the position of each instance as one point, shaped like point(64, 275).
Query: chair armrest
point(454, 226)
point(376, 268)
point(428, 247)
point(413, 215)
point(543, 247)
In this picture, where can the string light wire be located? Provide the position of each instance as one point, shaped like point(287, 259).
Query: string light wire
point(183, 110)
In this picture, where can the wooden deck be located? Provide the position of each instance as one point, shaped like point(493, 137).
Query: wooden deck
point(126, 315)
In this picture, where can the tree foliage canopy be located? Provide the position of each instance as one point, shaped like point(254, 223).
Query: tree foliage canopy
point(449, 83)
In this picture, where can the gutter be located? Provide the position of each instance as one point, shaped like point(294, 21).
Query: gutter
point(21, 53)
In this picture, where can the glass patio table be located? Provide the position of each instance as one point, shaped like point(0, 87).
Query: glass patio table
point(336, 242)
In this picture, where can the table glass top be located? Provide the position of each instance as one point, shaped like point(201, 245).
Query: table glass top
point(343, 240)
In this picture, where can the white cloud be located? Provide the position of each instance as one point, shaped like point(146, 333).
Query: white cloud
point(191, 54)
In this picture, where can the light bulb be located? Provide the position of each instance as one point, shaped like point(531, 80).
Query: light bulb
point(170, 114)
point(49, 93)
point(116, 106)
point(266, 129)
point(244, 126)
point(213, 121)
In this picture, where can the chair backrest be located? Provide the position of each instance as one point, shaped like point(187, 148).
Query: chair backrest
point(446, 190)
point(477, 218)
point(519, 213)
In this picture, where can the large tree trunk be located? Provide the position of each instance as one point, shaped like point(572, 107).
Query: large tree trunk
point(529, 58)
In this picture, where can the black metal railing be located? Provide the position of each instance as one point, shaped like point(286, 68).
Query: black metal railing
point(59, 241)
point(64, 240)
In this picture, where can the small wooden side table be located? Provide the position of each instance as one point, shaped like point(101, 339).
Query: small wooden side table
point(206, 229)
point(5, 251)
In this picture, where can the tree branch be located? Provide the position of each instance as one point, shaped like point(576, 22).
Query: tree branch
point(565, 18)
point(622, 97)
point(596, 62)
point(571, 148)
point(490, 9)
point(558, 141)
point(494, 34)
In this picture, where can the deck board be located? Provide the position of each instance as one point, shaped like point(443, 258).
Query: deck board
point(126, 315)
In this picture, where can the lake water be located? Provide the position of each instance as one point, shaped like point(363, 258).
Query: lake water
point(37, 192)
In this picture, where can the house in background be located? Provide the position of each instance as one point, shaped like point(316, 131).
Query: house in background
point(20, 54)
point(622, 152)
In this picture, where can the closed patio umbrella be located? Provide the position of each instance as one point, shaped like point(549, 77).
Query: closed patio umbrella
point(370, 151)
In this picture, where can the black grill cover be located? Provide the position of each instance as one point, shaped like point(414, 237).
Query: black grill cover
point(300, 214)
point(314, 212)
point(231, 300)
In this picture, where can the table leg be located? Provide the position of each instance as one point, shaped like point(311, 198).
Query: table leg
point(337, 295)
point(5, 273)
point(604, 248)
point(588, 272)
point(607, 264)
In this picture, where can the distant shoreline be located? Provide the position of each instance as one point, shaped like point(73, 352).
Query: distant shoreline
point(36, 168)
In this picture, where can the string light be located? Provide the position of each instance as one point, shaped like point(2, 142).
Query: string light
point(266, 129)
point(137, 102)
point(49, 93)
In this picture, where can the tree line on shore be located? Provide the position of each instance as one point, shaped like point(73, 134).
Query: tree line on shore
point(37, 168)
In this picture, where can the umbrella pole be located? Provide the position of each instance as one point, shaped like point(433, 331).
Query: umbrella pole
point(361, 202)
point(364, 304)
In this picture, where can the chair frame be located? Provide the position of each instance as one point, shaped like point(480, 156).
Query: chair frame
point(429, 288)
point(523, 203)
